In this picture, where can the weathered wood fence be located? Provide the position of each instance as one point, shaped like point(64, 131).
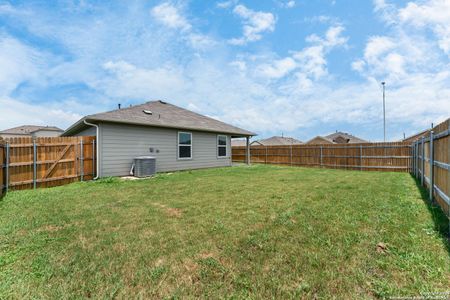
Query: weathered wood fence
point(46, 161)
point(367, 156)
point(2, 168)
point(431, 164)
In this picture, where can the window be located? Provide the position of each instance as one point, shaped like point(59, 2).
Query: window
point(184, 145)
point(222, 146)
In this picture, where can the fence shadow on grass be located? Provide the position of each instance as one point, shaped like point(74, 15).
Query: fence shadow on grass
point(441, 222)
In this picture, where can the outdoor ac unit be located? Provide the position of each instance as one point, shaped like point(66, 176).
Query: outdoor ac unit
point(144, 166)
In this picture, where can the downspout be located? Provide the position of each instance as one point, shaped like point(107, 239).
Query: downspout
point(96, 146)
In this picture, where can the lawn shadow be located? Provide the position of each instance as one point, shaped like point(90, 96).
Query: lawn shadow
point(441, 222)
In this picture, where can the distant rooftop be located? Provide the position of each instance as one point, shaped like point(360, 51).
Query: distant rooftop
point(29, 129)
point(351, 138)
point(338, 138)
point(278, 140)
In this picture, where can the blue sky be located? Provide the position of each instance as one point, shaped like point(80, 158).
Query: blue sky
point(297, 67)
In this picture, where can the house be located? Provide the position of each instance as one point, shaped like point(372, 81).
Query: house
point(31, 130)
point(336, 138)
point(238, 143)
point(277, 141)
point(179, 139)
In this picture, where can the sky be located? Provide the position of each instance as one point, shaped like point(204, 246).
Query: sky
point(300, 68)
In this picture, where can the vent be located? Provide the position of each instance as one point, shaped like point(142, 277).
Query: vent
point(144, 166)
point(148, 112)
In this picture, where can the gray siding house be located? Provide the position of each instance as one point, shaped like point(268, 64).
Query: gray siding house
point(31, 131)
point(179, 139)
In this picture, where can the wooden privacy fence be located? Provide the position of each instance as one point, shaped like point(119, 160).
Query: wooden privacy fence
point(46, 161)
point(367, 156)
point(2, 169)
point(431, 164)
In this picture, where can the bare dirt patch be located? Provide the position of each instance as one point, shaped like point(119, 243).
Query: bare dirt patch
point(170, 211)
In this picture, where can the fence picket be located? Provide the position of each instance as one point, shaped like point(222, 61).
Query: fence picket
point(46, 162)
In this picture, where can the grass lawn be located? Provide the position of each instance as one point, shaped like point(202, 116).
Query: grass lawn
point(241, 232)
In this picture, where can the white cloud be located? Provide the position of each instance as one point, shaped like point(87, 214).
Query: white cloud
point(278, 68)
point(255, 23)
point(128, 57)
point(18, 63)
point(169, 15)
point(15, 113)
point(309, 63)
point(130, 81)
point(172, 16)
point(434, 14)
point(358, 65)
point(289, 4)
point(226, 4)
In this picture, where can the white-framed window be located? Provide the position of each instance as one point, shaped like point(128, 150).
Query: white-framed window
point(222, 145)
point(184, 145)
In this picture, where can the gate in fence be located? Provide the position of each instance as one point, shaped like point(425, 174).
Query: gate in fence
point(46, 161)
point(431, 164)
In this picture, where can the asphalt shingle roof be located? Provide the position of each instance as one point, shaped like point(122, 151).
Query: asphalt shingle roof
point(279, 140)
point(28, 129)
point(351, 138)
point(163, 114)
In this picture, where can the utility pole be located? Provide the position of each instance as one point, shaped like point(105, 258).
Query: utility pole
point(384, 110)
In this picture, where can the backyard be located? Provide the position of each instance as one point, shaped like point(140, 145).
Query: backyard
point(240, 232)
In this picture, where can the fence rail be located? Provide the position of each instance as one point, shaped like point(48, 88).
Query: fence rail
point(46, 161)
point(431, 164)
point(367, 156)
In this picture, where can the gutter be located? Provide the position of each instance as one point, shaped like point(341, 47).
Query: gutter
point(96, 146)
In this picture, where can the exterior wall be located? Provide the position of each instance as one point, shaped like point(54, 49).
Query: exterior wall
point(91, 131)
point(46, 133)
point(121, 143)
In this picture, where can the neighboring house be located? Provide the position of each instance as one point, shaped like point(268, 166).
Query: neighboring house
point(417, 136)
point(336, 138)
point(277, 141)
point(31, 131)
point(179, 139)
point(238, 143)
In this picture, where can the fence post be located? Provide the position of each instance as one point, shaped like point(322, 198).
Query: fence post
point(422, 177)
point(93, 159)
point(417, 159)
point(266, 156)
point(360, 157)
point(291, 154)
point(34, 163)
point(7, 166)
point(431, 161)
point(81, 159)
point(414, 159)
point(321, 156)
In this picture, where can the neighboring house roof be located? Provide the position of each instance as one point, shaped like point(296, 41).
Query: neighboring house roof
point(416, 136)
point(320, 140)
point(29, 129)
point(279, 140)
point(238, 143)
point(342, 137)
point(160, 114)
point(337, 138)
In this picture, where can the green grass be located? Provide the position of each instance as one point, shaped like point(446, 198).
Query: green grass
point(241, 232)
